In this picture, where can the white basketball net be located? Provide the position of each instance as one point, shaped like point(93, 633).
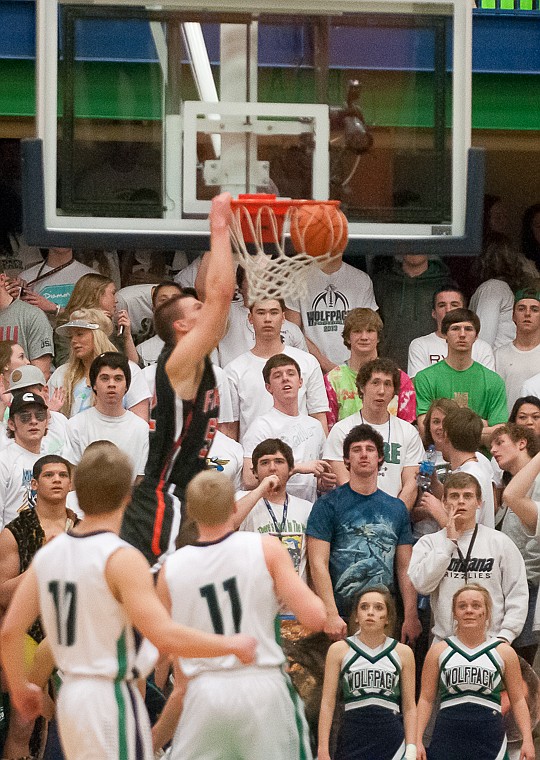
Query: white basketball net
point(271, 275)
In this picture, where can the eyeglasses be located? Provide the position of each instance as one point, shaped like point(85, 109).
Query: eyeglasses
point(40, 415)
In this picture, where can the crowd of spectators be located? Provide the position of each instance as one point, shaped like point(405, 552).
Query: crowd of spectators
point(406, 364)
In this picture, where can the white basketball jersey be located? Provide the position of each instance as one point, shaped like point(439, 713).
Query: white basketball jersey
point(88, 630)
point(225, 587)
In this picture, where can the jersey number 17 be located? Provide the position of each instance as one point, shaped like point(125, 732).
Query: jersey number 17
point(64, 596)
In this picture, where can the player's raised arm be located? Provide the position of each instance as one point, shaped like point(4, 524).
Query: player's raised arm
point(290, 588)
point(202, 325)
point(150, 617)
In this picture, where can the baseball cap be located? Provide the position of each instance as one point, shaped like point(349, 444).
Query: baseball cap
point(25, 376)
point(86, 319)
point(80, 323)
point(22, 400)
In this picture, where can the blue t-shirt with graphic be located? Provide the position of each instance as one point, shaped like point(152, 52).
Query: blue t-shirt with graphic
point(363, 532)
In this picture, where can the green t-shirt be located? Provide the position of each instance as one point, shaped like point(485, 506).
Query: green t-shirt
point(477, 387)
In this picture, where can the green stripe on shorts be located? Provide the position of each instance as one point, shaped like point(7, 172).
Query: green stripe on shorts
point(303, 738)
point(118, 695)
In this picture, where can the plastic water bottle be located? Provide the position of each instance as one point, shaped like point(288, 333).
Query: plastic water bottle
point(426, 470)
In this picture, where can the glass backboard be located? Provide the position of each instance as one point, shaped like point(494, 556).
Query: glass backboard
point(147, 110)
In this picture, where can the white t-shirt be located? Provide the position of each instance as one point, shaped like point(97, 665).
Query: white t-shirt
point(329, 299)
point(240, 336)
point(531, 387)
point(225, 405)
point(493, 301)
point(402, 448)
point(526, 543)
point(305, 436)
point(294, 531)
point(137, 301)
point(484, 474)
point(496, 473)
point(82, 393)
point(186, 277)
point(53, 441)
point(149, 350)
point(16, 465)
point(515, 367)
point(227, 456)
point(57, 287)
point(430, 349)
point(129, 432)
point(250, 398)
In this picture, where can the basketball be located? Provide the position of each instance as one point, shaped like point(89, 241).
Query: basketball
point(318, 229)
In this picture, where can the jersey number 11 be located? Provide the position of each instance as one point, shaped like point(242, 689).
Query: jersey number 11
point(209, 593)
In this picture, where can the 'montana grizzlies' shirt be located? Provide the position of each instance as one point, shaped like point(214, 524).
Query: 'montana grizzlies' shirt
point(494, 561)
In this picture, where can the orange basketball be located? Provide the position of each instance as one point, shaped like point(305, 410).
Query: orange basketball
point(318, 229)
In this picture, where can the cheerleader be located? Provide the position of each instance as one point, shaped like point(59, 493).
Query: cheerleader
point(471, 671)
point(376, 676)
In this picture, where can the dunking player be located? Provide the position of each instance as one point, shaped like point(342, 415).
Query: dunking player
point(230, 582)
point(187, 399)
point(91, 589)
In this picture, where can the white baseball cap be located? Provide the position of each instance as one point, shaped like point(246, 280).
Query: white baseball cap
point(80, 323)
point(25, 376)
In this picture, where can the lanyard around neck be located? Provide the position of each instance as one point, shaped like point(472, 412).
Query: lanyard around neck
point(279, 529)
point(465, 560)
point(48, 274)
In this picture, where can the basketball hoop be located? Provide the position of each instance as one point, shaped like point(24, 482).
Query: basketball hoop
point(264, 220)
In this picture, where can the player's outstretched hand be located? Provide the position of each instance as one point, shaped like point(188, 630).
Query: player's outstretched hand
point(28, 701)
point(245, 648)
point(220, 212)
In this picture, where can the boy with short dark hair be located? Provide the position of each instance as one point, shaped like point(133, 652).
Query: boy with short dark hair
point(279, 513)
point(378, 382)
point(461, 378)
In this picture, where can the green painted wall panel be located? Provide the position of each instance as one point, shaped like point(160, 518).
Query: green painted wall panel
point(509, 101)
point(506, 101)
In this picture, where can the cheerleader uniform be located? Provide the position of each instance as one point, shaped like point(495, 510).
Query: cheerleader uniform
point(469, 725)
point(372, 723)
